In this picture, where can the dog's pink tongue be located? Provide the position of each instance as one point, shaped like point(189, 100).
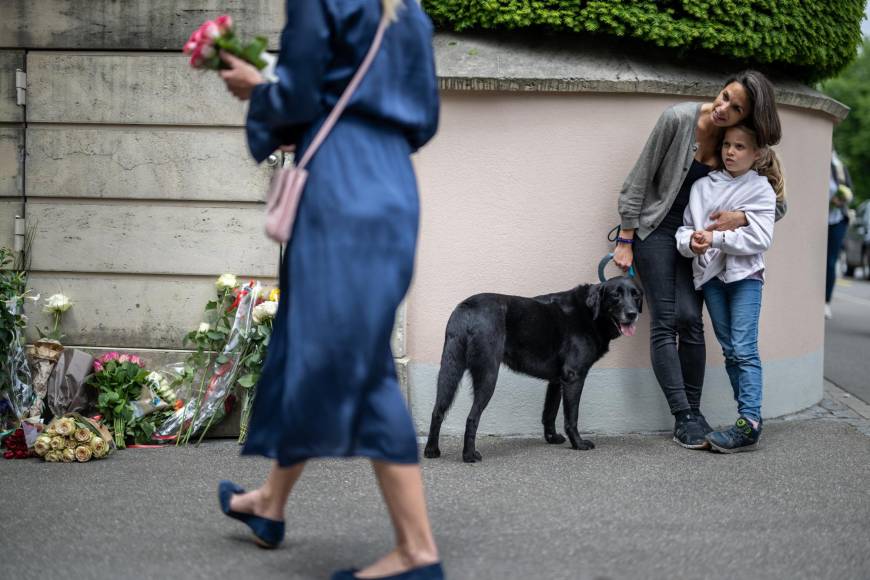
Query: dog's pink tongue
point(628, 329)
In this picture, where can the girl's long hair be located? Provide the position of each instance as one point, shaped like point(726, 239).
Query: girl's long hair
point(770, 167)
point(391, 8)
point(768, 164)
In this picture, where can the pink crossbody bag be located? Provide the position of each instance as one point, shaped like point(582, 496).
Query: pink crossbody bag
point(287, 185)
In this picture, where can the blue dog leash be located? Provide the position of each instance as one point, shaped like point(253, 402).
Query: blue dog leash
point(604, 262)
point(612, 236)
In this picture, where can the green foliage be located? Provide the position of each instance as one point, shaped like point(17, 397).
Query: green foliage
point(852, 136)
point(811, 40)
point(13, 284)
point(117, 385)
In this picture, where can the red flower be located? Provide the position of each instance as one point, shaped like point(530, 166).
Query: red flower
point(9, 455)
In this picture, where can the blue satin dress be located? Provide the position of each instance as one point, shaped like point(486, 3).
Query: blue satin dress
point(329, 386)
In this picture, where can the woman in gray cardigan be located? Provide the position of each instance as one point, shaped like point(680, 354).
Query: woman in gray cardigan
point(683, 147)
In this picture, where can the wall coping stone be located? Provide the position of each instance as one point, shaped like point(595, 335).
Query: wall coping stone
point(562, 64)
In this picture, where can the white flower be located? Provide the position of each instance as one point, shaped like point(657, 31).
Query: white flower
point(264, 311)
point(57, 303)
point(204, 327)
point(226, 282)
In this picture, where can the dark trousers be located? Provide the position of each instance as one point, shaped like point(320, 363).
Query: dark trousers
point(836, 234)
point(676, 329)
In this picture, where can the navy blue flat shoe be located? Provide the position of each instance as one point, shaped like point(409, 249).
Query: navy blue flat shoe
point(430, 572)
point(267, 533)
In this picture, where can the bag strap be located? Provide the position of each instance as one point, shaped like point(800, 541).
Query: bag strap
point(338, 109)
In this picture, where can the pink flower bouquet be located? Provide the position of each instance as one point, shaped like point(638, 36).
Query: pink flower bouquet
point(206, 42)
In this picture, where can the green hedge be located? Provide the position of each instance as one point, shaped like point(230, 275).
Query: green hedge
point(810, 39)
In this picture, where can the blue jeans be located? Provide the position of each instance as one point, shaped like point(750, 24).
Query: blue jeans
point(734, 310)
point(836, 234)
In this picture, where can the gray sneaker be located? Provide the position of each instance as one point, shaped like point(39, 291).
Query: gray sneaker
point(741, 436)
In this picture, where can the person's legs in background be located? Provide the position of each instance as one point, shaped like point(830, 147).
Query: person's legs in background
point(836, 235)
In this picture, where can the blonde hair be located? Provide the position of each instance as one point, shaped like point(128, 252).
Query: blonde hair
point(391, 8)
point(768, 165)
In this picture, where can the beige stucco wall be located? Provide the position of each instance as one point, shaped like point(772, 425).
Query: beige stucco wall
point(518, 193)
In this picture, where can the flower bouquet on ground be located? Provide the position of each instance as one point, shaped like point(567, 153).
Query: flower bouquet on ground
point(126, 399)
point(16, 388)
point(252, 363)
point(73, 438)
point(15, 445)
point(46, 352)
point(206, 42)
point(216, 363)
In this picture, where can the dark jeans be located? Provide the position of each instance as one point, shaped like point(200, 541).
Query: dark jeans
point(676, 329)
point(836, 234)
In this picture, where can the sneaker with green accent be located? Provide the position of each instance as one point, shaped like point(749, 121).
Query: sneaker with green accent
point(741, 436)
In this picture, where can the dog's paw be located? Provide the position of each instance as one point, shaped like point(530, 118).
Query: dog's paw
point(554, 438)
point(584, 445)
point(472, 457)
point(433, 453)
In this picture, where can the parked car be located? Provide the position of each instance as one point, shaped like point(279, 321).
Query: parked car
point(857, 243)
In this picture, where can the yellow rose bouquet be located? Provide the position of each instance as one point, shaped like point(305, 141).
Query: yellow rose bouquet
point(73, 438)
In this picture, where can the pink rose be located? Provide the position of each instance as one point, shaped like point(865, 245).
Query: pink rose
point(207, 51)
point(210, 30)
point(98, 366)
point(123, 358)
point(136, 360)
point(108, 357)
point(189, 47)
point(224, 23)
point(196, 59)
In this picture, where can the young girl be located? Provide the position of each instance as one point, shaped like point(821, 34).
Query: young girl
point(728, 266)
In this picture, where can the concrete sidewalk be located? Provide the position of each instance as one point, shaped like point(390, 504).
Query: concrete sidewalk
point(637, 506)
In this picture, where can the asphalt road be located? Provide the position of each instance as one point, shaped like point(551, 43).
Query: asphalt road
point(636, 507)
point(847, 337)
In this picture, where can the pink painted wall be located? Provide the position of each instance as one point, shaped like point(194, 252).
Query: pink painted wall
point(519, 190)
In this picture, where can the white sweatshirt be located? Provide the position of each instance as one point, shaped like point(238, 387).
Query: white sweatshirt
point(736, 254)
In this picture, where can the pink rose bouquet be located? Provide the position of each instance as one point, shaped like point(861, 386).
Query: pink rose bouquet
point(206, 42)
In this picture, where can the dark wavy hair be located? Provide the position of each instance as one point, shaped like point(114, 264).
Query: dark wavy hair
point(764, 119)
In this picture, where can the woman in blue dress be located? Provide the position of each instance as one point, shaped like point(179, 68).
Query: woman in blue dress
point(329, 386)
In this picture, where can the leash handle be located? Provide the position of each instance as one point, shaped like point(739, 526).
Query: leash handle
point(603, 263)
point(613, 234)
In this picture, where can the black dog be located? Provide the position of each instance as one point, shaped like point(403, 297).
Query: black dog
point(555, 337)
